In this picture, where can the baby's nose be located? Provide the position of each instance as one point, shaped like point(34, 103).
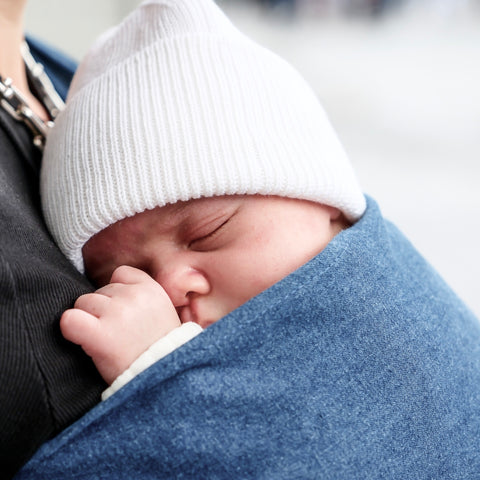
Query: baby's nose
point(181, 283)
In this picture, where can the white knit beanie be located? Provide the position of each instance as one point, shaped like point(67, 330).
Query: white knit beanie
point(175, 104)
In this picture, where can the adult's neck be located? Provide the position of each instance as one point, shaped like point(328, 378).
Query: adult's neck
point(11, 36)
point(11, 61)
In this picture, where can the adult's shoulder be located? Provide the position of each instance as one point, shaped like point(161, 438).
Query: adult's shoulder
point(58, 65)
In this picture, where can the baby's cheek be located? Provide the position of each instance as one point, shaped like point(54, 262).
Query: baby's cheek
point(255, 281)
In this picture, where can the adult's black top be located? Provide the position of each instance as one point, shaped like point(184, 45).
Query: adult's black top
point(46, 383)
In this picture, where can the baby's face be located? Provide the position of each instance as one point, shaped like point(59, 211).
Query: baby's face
point(211, 255)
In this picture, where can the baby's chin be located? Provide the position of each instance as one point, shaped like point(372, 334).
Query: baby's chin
point(213, 316)
point(208, 320)
point(186, 315)
point(207, 323)
point(205, 314)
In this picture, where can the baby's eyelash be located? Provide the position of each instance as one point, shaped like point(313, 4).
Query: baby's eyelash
point(210, 234)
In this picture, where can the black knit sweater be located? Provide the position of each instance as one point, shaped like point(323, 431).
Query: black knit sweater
point(46, 383)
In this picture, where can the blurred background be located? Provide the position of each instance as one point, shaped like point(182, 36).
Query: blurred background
point(400, 80)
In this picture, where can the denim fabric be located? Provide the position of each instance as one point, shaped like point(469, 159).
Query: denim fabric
point(58, 66)
point(362, 364)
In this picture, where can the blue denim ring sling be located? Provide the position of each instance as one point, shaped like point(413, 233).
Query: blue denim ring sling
point(362, 364)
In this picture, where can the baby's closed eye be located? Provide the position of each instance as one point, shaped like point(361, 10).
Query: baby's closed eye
point(206, 237)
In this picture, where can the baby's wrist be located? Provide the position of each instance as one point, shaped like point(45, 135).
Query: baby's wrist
point(160, 349)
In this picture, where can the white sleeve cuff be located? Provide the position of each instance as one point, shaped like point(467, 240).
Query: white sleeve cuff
point(161, 348)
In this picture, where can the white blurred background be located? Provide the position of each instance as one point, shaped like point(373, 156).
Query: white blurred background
point(401, 82)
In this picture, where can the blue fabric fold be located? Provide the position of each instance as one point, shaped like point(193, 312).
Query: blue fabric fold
point(362, 364)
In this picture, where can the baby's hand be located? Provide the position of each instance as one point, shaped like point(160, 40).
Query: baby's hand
point(118, 322)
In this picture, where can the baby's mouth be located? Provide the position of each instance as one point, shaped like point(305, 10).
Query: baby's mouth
point(186, 314)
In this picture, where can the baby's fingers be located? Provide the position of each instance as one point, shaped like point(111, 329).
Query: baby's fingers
point(81, 328)
point(96, 304)
point(129, 275)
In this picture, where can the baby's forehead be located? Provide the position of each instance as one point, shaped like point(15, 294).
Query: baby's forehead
point(183, 206)
point(173, 214)
point(178, 211)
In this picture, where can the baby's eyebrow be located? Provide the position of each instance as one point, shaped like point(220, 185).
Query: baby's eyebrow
point(182, 210)
point(183, 213)
point(180, 215)
point(177, 213)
